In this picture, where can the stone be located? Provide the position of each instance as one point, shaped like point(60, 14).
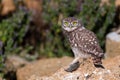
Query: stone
point(13, 62)
point(117, 3)
point(87, 72)
point(113, 44)
point(33, 4)
point(0, 78)
point(45, 69)
point(42, 67)
point(7, 7)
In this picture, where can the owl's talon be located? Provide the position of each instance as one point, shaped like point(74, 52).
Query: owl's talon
point(99, 66)
point(73, 67)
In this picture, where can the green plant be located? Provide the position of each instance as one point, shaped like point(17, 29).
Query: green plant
point(97, 18)
point(55, 44)
point(12, 31)
point(2, 57)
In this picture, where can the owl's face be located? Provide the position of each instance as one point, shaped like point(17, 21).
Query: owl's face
point(71, 23)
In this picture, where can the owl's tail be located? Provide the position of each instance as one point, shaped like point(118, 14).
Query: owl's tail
point(97, 61)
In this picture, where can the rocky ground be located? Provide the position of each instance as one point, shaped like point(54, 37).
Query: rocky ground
point(42, 67)
point(53, 69)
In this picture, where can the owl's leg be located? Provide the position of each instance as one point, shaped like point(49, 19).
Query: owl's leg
point(74, 65)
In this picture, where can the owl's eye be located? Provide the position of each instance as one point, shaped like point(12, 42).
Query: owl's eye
point(75, 23)
point(66, 23)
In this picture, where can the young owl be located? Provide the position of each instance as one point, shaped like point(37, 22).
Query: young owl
point(83, 42)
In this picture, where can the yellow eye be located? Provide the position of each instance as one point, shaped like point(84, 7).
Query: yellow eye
point(74, 23)
point(66, 23)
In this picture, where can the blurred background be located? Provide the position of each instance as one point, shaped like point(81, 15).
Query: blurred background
point(31, 29)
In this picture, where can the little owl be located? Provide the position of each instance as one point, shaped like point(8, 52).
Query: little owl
point(83, 42)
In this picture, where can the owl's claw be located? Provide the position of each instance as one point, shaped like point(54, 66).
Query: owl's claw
point(99, 66)
point(73, 67)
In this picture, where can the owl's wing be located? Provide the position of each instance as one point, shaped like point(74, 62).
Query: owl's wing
point(89, 43)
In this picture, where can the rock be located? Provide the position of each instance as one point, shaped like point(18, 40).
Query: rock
point(0, 78)
point(104, 2)
point(87, 71)
point(14, 62)
point(117, 2)
point(113, 44)
point(33, 4)
point(42, 67)
point(7, 7)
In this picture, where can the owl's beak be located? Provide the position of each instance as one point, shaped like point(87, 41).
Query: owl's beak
point(70, 26)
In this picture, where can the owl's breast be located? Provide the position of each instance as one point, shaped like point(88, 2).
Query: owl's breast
point(85, 42)
point(76, 38)
point(78, 53)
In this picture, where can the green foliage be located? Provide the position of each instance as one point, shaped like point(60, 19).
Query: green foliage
point(1, 62)
point(55, 44)
point(2, 58)
point(95, 17)
point(13, 29)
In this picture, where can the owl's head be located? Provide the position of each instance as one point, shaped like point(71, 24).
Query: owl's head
point(71, 23)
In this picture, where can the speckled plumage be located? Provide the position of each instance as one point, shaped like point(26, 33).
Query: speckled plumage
point(83, 42)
